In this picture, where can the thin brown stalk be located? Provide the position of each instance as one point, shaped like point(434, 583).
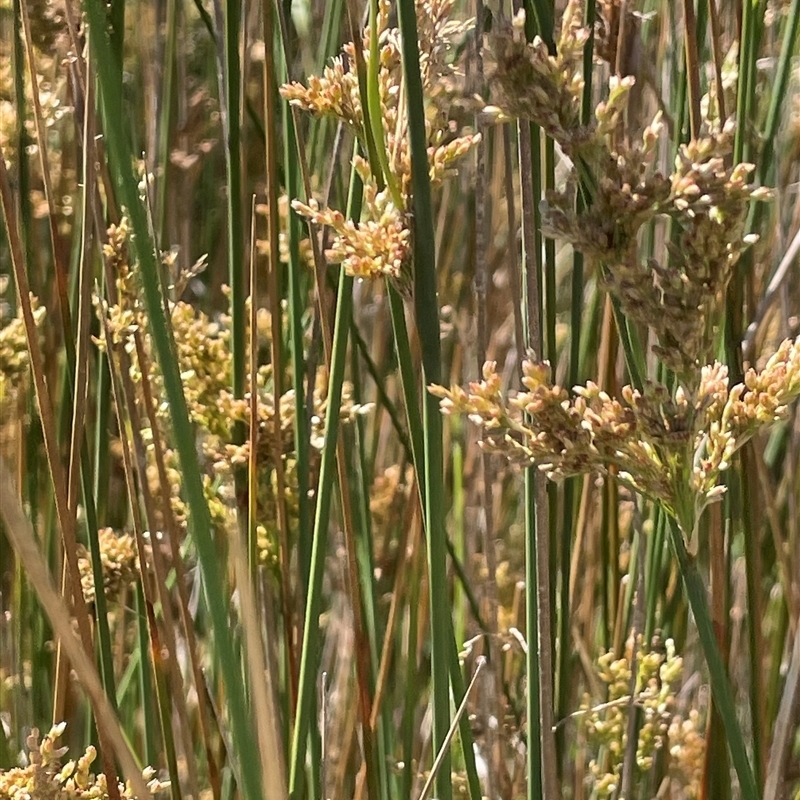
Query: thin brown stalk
point(692, 67)
point(23, 539)
point(637, 627)
point(543, 580)
point(62, 285)
point(620, 67)
point(719, 617)
point(716, 53)
point(81, 383)
point(511, 250)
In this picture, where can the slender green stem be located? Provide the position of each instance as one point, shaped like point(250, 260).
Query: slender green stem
point(236, 261)
point(164, 119)
point(310, 651)
point(375, 107)
point(427, 319)
point(307, 686)
point(720, 682)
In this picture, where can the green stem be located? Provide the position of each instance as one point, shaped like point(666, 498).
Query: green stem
point(720, 682)
point(309, 658)
point(427, 319)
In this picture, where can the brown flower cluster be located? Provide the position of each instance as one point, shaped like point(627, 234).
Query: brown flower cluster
point(379, 244)
point(46, 778)
point(679, 293)
point(679, 296)
point(120, 564)
point(670, 446)
point(531, 83)
point(658, 671)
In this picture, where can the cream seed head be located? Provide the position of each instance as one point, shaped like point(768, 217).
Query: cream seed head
point(652, 439)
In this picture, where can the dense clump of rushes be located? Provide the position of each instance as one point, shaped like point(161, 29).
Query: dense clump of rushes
point(549, 208)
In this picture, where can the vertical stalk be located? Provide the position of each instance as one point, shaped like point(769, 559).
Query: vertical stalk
point(307, 685)
point(275, 295)
point(427, 318)
point(230, 108)
point(696, 595)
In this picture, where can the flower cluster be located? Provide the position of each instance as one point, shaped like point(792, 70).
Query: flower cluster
point(679, 293)
point(679, 296)
point(14, 359)
point(378, 244)
point(46, 778)
point(658, 670)
point(531, 83)
point(120, 564)
point(687, 749)
point(203, 349)
point(670, 446)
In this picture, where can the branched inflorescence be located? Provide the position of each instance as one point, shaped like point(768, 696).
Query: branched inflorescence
point(671, 447)
point(46, 777)
point(678, 294)
point(658, 671)
point(379, 244)
point(669, 444)
point(532, 83)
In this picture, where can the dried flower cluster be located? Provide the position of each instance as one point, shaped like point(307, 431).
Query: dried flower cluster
point(658, 671)
point(379, 244)
point(671, 447)
point(680, 294)
point(46, 778)
point(120, 564)
point(531, 83)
